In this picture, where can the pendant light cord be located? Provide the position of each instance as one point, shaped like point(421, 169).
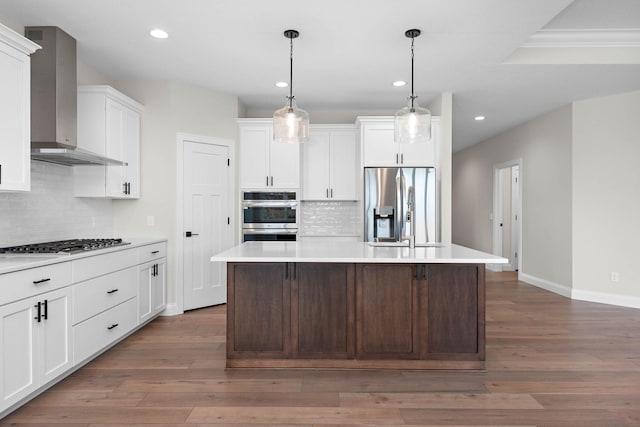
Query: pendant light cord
point(291, 72)
point(412, 92)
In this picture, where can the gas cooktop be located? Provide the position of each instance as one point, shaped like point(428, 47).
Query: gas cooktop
point(63, 246)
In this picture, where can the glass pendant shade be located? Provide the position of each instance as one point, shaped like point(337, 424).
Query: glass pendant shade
point(412, 124)
point(290, 124)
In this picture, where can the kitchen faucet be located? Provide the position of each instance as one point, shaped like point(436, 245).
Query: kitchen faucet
point(411, 201)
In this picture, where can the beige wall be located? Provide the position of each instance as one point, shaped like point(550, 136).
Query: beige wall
point(544, 147)
point(606, 196)
point(169, 108)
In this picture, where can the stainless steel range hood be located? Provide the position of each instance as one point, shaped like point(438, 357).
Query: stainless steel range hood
point(54, 101)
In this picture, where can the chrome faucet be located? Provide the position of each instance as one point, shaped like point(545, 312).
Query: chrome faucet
point(411, 201)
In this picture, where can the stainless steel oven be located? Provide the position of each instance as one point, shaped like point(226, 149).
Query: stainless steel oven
point(269, 216)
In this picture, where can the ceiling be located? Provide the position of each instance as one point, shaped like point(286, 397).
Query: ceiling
point(350, 51)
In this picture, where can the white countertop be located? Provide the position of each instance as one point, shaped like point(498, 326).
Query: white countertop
point(355, 252)
point(10, 263)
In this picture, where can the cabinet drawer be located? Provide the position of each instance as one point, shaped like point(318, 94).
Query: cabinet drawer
point(26, 283)
point(152, 252)
point(98, 332)
point(98, 265)
point(101, 293)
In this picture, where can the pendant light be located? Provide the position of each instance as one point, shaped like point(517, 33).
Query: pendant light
point(290, 123)
point(412, 123)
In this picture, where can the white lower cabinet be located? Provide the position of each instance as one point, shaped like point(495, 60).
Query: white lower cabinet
point(152, 289)
point(36, 343)
point(55, 318)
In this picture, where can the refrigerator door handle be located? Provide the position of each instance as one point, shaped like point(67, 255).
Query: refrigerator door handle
point(399, 206)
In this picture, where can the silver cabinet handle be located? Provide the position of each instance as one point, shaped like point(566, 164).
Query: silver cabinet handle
point(332, 193)
point(272, 180)
point(402, 158)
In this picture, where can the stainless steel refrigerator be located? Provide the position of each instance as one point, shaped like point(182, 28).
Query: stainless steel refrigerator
point(392, 196)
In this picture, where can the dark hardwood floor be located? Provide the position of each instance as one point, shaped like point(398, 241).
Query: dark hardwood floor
point(550, 362)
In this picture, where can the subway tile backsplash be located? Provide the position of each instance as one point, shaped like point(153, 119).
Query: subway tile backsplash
point(50, 211)
point(330, 219)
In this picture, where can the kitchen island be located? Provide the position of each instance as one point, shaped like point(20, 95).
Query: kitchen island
point(355, 305)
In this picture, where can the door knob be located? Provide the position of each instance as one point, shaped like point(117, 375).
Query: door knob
point(189, 234)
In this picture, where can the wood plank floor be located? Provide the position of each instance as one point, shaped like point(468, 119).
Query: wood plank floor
point(550, 362)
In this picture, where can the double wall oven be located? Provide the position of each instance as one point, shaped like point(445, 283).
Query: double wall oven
point(269, 216)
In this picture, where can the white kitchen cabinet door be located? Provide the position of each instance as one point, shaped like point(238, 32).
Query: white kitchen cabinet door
point(19, 341)
point(315, 165)
point(160, 287)
point(284, 162)
point(378, 146)
point(254, 156)
point(123, 142)
point(343, 168)
point(152, 289)
point(15, 110)
point(54, 335)
point(264, 163)
point(36, 343)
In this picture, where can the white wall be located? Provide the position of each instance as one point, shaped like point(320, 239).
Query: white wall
point(606, 198)
point(544, 146)
point(443, 106)
point(169, 108)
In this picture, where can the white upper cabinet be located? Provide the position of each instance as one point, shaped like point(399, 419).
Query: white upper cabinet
point(329, 164)
point(109, 125)
point(264, 163)
point(15, 110)
point(379, 149)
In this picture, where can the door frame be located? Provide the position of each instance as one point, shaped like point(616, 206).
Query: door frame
point(497, 206)
point(181, 138)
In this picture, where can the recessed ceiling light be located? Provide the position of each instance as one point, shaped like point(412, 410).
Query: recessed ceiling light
point(399, 83)
point(478, 118)
point(282, 84)
point(159, 34)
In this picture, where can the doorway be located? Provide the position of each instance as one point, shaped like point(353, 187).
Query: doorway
point(507, 229)
point(205, 212)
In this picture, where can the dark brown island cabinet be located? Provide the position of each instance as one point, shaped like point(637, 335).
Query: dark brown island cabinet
point(355, 315)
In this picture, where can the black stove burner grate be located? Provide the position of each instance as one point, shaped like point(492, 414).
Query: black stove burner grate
point(63, 246)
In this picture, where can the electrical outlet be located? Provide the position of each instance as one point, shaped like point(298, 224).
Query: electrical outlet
point(615, 276)
point(151, 220)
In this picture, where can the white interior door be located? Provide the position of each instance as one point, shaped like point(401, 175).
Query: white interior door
point(207, 229)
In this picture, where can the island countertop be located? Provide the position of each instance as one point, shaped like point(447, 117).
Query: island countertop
point(354, 252)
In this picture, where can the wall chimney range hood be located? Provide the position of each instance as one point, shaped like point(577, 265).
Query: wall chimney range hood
point(54, 101)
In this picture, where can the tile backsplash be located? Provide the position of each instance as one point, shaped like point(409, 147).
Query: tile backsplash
point(330, 219)
point(50, 211)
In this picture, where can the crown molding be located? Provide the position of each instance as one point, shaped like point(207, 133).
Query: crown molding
point(584, 38)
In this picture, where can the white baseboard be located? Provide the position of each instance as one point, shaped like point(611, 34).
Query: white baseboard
point(581, 295)
point(606, 298)
point(171, 310)
point(556, 288)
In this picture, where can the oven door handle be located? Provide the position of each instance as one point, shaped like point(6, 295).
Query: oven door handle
point(270, 231)
point(270, 204)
